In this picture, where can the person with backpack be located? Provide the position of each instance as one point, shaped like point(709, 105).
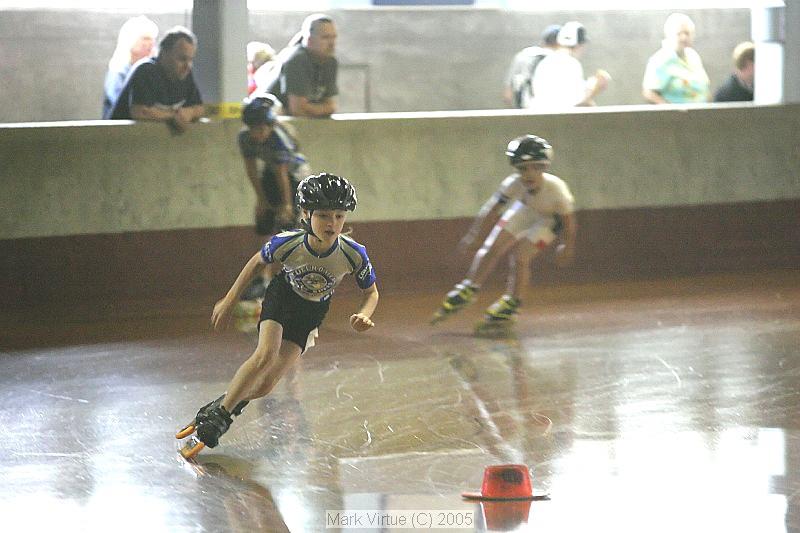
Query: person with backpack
point(558, 82)
point(518, 89)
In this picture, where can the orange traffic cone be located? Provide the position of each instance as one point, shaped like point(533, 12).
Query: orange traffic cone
point(505, 482)
point(505, 515)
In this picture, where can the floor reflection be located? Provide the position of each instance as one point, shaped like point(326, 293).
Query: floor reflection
point(649, 410)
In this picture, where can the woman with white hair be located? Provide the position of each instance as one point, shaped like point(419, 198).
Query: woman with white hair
point(675, 74)
point(136, 40)
point(259, 56)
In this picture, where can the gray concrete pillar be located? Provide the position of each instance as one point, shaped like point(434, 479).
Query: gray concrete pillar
point(220, 66)
point(791, 53)
point(776, 34)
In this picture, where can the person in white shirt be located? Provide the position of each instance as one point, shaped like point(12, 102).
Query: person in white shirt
point(675, 73)
point(559, 82)
point(529, 211)
point(517, 89)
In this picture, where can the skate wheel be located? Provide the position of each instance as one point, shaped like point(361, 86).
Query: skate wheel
point(185, 432)
point(192, 448)
point(440, 315)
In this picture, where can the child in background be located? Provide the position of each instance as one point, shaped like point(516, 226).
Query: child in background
point(522, 218)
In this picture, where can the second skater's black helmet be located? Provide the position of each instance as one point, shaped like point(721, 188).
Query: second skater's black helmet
point(326, 191)
point(258, 110)
point(529, 148)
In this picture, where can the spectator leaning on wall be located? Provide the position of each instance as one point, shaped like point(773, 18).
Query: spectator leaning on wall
point(163, 88)
point(304, 76)
point(136, 40)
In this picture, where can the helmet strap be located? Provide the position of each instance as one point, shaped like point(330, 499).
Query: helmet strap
point(307, 224)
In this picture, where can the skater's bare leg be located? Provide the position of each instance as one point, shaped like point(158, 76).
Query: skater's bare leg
point(248, 376)
point(287, 357)
point(519, 274)
point(494, 247)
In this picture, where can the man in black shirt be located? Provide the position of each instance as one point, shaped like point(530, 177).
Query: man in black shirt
point(163, 88)
point(739, 87)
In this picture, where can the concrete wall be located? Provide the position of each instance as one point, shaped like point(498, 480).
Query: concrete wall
point(106, 214)
point(451, 59)
point(52, 63)
point(423, 166)
point(109, 177)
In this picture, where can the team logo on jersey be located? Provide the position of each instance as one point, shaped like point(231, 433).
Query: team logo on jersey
point(365, 272)
point(313, 280)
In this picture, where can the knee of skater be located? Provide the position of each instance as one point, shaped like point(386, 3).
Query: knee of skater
point(523, 260)
point(525, 253)
point(263, 359)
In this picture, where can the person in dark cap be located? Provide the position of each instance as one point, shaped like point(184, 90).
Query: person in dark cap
point(265, 142)
point(517, 88)
point(558, 81)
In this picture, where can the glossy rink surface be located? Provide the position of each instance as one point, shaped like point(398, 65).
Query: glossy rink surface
point(662, 406)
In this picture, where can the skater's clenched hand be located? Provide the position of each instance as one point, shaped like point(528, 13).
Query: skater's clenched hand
point(221, 314)
point(361, 322)
point(565, 255)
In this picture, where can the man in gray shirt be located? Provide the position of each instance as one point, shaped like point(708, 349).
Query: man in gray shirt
point(305, 71)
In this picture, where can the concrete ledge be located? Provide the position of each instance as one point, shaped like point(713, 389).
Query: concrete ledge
point(100, 177)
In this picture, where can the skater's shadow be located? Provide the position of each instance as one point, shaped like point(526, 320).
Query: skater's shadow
point(248, 504)
point(495, 381)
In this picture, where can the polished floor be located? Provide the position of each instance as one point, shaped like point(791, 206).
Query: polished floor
point(668, 406)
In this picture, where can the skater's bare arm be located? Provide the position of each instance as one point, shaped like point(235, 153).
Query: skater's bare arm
point(361, 320)
point(251, 167)
point(566, 250)
point(223, 308)
point(487, 217)
point(285, 188)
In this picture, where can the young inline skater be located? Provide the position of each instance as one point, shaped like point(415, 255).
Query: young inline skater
point(263, 139)
point(265, 142)
point(522, 218)
point(306, 264)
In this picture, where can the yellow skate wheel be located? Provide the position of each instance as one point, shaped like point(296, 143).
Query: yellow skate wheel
point(437, 317)
point(185, 432)
point(191, 448)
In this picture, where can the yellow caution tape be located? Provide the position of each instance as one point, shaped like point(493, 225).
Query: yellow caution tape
point(224, 110)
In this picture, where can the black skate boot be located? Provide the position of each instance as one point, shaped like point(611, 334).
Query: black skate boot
point(193, 445)
point(189, 428)
point(459, 297)
point(212, 425)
